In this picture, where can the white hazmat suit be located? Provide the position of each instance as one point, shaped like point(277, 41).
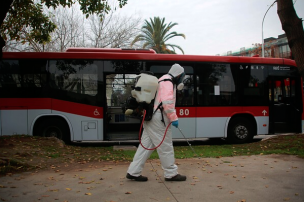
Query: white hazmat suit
point(154, 129)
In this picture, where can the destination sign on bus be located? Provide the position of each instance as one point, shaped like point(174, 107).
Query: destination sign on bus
point(281, 68)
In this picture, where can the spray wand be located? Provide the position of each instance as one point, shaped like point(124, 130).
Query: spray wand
point(188, 143)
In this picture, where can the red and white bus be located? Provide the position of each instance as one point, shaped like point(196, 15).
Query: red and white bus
point(78, 95)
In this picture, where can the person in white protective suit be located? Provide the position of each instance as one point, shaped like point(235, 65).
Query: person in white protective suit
point(154, 130)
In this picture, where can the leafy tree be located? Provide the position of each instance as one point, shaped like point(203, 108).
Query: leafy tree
point(23, 15)
point(293, 27)
point(72, 30)
point(156, 33)
point(28, 14)
point(68, 32)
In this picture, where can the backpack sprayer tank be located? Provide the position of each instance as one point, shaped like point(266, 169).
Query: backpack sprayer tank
point(145, 88)
point(142, 94)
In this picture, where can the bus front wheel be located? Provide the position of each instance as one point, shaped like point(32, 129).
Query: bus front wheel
point(240, 130)
point(54, 127)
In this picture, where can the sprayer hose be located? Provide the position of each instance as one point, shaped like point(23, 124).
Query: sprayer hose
point(141, 130)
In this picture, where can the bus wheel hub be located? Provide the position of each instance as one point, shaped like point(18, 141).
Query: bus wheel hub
point(241, 132)
point(53, 134)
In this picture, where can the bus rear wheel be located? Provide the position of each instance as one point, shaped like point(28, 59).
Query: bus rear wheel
point(54, 127)
point(240, 131)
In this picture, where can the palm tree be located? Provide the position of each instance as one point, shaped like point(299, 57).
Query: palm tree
point(156, 33)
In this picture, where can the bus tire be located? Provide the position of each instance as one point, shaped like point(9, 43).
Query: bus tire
point(240, 130)
point(54, 127)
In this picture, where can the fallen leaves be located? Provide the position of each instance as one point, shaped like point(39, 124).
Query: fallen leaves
point(53, 190)
point(203, 178)
point(51, 178)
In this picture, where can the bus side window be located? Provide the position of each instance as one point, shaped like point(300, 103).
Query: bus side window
point(75, 80)
point(9, 74)
point(253, 83)
point(216, 85)
point(185, 97)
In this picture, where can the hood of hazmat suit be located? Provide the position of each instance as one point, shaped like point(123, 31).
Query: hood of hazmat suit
point(175, 71)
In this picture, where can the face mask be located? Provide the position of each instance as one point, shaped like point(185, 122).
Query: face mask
point(181, 78)
point(180, 86)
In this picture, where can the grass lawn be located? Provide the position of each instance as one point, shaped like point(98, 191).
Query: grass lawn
point(23, 153)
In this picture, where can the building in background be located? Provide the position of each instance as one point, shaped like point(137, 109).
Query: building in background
point(274, 48)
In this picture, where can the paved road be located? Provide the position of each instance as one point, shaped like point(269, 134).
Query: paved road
point(261, 178)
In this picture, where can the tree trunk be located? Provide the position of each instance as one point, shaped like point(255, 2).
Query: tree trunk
point(5, 5)
point(293, 27)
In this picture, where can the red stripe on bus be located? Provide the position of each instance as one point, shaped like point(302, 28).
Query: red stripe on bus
point(202, 112)
point(51, 104)
point(76, 108)
point(25, 103)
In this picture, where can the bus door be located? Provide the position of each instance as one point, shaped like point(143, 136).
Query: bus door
point(285, 104)
point(118, 126)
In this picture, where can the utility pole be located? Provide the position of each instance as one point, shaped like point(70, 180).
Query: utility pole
point(262, 28)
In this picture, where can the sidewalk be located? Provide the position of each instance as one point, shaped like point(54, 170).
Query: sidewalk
point(247, 178)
